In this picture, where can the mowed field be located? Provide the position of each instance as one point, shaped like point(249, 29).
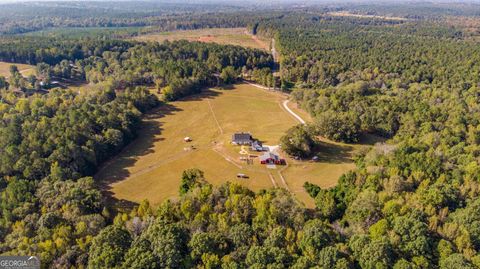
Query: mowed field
point(151, 167)
point(226, 36)
point(24, 69)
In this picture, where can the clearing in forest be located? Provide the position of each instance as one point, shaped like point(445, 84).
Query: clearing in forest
point(349, 14)
point(226, 36)
point(24, 69)
point(151, 166)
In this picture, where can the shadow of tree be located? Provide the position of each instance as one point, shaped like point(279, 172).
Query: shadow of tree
point(371, 139)
point(205, 94)
point(226, 87)
point(333, 153)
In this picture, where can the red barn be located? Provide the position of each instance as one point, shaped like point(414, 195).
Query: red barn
point(270, 158)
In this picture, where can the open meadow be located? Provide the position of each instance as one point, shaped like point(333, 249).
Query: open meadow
point(226, 36)
point(24, 69)
point(151, 167)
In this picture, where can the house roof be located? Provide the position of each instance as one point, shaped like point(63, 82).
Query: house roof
point(241, 137)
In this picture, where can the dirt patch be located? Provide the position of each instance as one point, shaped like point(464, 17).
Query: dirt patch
point(208, 38)
point(226, 36)
point(261, 43)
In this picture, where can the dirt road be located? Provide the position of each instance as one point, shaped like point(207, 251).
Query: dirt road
point(285, 105)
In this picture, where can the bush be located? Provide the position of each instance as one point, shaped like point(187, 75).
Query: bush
point(298, 141)
point(338, 126)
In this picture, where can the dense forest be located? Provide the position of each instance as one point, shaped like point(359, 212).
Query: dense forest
point(411, 202)
point(176, 69)
point(18, 18)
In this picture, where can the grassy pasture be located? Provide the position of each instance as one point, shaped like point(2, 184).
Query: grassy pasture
point(150, 167)
point(24, 69)
point(226, 36)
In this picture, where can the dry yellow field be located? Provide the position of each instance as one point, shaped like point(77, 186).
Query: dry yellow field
point(229, 36)
point(150, 167)
point(349, 14)
point(24, 69)
point(336, 160)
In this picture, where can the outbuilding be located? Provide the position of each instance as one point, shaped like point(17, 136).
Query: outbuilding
point(257, 146)
point(271, 158)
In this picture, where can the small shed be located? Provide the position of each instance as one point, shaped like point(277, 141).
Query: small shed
point(187, 139)
point(242, 138)
point(257, 146)
point(271, 158)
